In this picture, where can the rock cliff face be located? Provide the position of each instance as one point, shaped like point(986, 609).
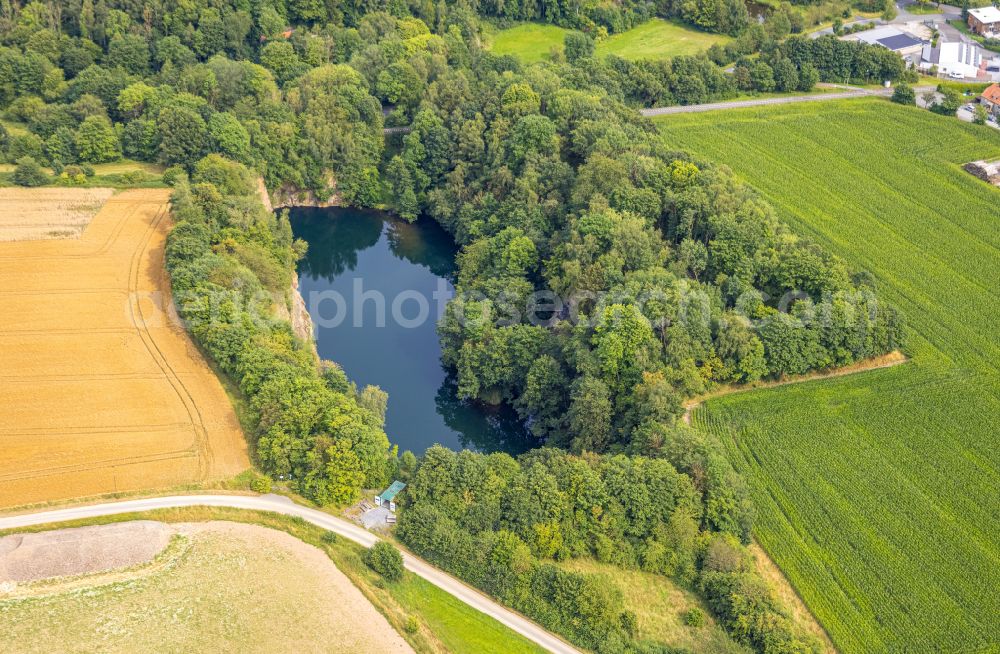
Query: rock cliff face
point(294, 310)
point(301, 321)
point(292, 196)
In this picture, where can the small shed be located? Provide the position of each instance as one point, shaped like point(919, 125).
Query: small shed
point(388, 496)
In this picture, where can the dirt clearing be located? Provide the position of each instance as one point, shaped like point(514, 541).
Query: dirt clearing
point(101, 392)
point(229, 588)
point(80, 551)
point(28, 214)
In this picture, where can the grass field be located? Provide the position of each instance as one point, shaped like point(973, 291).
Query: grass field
point(220, 586)
point(445, 625)
point(125, 173)
point(654, 39)
point(659, 605)
point(99, 391)
point(877, 494)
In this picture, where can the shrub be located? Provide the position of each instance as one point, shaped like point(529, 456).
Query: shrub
point(904, 94)
point(29, 173)
point(328, 537)
point(630, 622)
point(88, 170)
point(412, 625)
point(130, 177)
point(173, 173)
point(386, 560)
point(25, 145)
point(260, 484)
point(578, 45)
point(694, 617)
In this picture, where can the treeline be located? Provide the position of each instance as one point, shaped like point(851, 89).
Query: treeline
point(503, 524)
point(797, 63)
point(230, 260)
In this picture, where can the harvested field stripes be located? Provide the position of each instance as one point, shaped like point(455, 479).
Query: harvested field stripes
point(138, 407)
point(877, 493)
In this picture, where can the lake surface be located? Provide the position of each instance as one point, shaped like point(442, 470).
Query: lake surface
point(375, 287)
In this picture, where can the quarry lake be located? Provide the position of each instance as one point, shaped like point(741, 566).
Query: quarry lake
point(375, 287)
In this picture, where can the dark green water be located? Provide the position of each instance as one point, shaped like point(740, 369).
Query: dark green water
point(360, 256)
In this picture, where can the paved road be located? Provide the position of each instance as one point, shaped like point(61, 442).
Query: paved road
point(738, 104)
point(944, 14)
point(851, 22)
point(283, 505)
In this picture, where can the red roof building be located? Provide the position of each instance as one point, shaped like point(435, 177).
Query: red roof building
point(990, 98)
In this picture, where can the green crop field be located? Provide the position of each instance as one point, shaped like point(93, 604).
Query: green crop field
point(654, 39)
point(878, 494)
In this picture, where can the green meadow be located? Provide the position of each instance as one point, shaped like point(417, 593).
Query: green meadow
point(654, 39)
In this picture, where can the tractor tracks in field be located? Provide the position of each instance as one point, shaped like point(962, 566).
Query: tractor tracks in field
point(200, 448)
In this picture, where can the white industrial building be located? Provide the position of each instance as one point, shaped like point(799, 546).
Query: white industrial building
point(957, 59)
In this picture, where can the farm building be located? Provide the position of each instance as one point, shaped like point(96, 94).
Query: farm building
point(990, 98)
point(985, 21)
point(954, 59)
point(905, 45)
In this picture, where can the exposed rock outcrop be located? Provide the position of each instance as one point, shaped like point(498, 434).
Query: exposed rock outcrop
point(289, 195)
point(294, 308)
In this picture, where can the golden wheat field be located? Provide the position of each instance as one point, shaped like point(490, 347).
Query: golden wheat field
point(99, 391)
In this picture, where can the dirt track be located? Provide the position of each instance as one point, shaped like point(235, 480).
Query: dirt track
point(100, 392)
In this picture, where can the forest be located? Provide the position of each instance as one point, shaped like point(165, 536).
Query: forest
point(604, 277)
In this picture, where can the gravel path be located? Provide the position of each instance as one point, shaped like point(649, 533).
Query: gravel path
point(739, 104)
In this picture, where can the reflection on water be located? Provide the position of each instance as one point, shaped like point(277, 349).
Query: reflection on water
point(363, 254)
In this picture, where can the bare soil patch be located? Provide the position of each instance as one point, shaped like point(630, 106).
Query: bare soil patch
point(47, 213)
point(233, 588)
point(102, 391)
point(80, 551)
